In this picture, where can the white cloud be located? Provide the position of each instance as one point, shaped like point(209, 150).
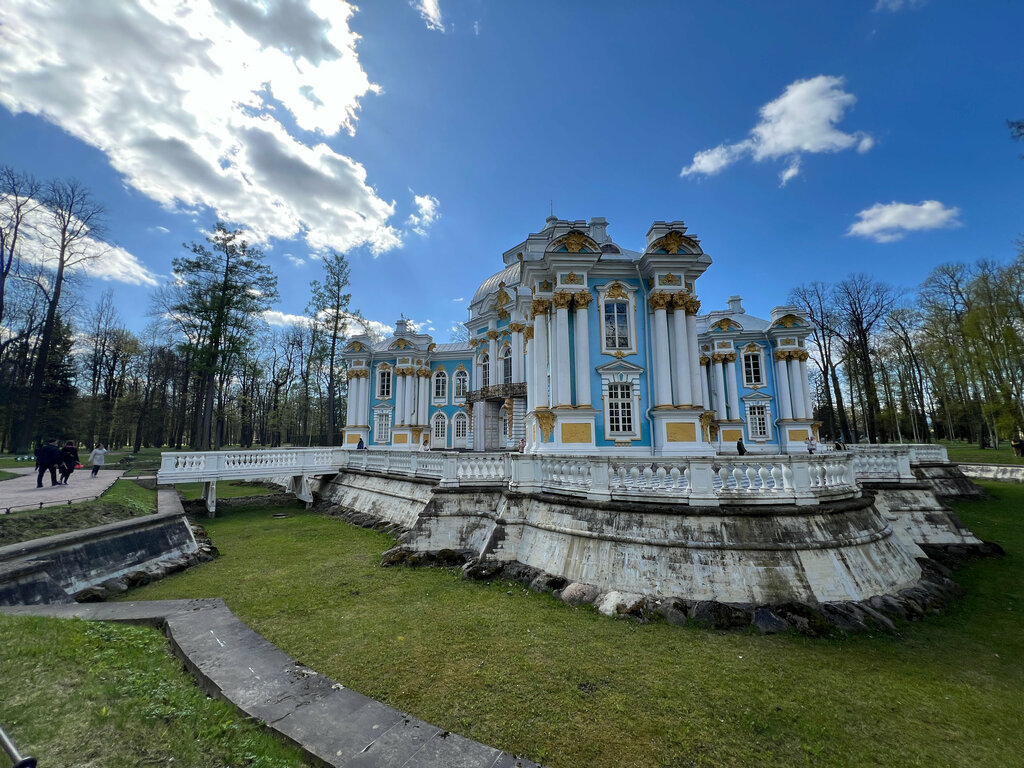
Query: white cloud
point(92, 256)
point(476, 27)
point(283, 319)
point(298, 262)
point(897, 5)
point(161, 230)
point(461, 298)
point(888, 222)
point(427, 207)
point(801, 121)
point(430, 12)
point(188, 102)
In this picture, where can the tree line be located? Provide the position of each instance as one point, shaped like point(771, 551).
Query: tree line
point(206, 371)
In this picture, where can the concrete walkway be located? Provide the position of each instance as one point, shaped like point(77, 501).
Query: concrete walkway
point(330, 722)
point(20, 493)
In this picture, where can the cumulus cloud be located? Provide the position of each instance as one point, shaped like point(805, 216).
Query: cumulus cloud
point(296, 260)
point(801, 121)
point(426, 214)
point(189, 102)
point(283, 319)
point(430, 12)
point(888, 222)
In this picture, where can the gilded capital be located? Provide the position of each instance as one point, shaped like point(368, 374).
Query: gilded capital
point(561, 299)
point(540, 307)
point(528, 333)
point(782, 355)
point(516, 327)
point(581, 299)
point(492, 335)
point(704, 359)
point(546, 422)
point(660, 300)
point(729, 357)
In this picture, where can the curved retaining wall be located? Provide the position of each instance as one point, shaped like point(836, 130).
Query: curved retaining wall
point(838, 551)
point(1005, 472)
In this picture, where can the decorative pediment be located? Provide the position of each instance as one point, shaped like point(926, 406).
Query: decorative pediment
point(356, 346)
point(675, 242)
point(575, 242)
point(614, 367)
point(725, 324)
point(669, 279)
point(757, 398)
point(402, 344)
point(789, 321)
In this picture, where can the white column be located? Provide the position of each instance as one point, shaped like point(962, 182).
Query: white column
point(364, 399)
point(350, 406)
point(540, 353)
point(805, 385)
point(410, 396)
point(734, 394)
point(581, 340)
point(719, 382)
point(705, 396)
point(662, 375)
point(517, 352)
point(782, 385)
point(681, 381)
point(698, 381)
point(399, 393)
point(492, 355)
point(561, 360)
point(796, 389)
point(423, 399)
point(530, 378)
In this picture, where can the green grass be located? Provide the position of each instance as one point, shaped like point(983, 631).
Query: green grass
point(112, 696)
point(124, 499)
point(235, 489)
point(970, 453)
point(7, 475)
point(567, 687)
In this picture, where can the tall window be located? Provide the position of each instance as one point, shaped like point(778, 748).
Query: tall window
point(616, 325)
point(757, 422)
point(753, 375)
point(461, 383)
point(383, 384)
point(485, 370)
point(441, 386)
point(620, 409)
point(459, 424)
point(440, 431)
point(506, 365)
point(382, 427)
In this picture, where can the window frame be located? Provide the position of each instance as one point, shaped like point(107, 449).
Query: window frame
point(461, 375)
point(622, 293)
point(624, 411)
point(484, 362)
point(439, 420)
point(379, 415)
point(439, 381)
point(460, 419)
point(382, 374)
point(756, 356)
point(759, 435)
point(505, 356)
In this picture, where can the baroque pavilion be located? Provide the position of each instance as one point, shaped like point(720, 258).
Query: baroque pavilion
point(581, 346)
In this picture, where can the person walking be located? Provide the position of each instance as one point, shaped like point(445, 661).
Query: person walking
point(741, 449)
point(47, 459)
point(97, 458)
point(68, 461)
point(811, 444)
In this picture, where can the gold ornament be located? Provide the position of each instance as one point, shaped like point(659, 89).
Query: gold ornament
point(581, 299)
point(561, 299)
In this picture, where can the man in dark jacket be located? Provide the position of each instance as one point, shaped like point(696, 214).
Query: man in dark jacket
point(47, 458)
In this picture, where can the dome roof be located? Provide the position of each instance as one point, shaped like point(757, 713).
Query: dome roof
point(509, 276)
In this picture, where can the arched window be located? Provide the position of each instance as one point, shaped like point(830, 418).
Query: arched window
point(461, 383)
point(503, 415)
point(485, 369)
point(506, 364)
point(459, 424)
point(439, 431)
point(440, 386)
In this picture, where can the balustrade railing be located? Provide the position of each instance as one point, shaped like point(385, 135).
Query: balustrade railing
point(707, 481)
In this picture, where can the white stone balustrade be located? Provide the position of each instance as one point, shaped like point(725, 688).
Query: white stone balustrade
point(696, 481)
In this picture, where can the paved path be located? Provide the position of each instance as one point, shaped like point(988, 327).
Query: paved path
point(20, 493)
point(330, 722)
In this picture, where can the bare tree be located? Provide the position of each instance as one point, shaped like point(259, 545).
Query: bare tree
point(73, 224)
point(19, 201)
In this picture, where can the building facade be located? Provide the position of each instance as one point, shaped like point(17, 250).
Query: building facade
point(580, 345)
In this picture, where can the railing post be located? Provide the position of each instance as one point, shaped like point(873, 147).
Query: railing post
point(802, 494)
point(413, 463)
point(600, 481)
point(450, 471)
point(903, 465)
point(702, 484)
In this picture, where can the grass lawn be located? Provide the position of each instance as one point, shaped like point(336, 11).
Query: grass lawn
point(7, 475)
point(571, 688)
point(122, 500)
point(97, 695)
point(970, 453)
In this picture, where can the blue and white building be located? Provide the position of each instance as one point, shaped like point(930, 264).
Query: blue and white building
point(579, 345)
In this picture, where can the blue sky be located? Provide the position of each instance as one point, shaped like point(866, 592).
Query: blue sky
point(799, 140)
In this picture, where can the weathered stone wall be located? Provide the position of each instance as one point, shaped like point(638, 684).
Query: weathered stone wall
point(1003, 472)
point(396, 500)
point(919, 518)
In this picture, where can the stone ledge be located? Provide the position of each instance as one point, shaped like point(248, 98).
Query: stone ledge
point(330, 723)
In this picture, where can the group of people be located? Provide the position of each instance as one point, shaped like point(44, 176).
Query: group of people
point(53, 459)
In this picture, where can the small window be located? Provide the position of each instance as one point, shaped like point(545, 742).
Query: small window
point(441, 386)
point(485, 370)
point(382, 427)
point(753, 373)
point(461, 383)
point(506, 365)
point(757, 422)
point(383, 384)
point(459, 423)
point(620, 409)
point(616, 325)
